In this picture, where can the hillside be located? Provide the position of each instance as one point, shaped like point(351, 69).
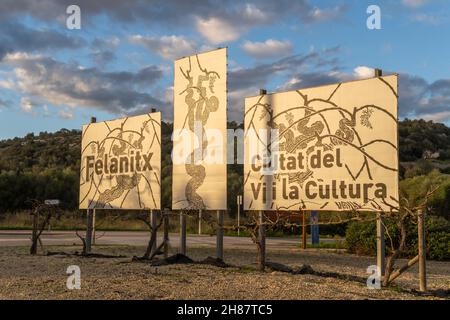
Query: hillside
point(47, 165)
point(419, 140)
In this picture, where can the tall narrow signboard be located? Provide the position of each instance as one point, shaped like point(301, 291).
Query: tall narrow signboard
point(121, 164)
point(326, 148)
point(199, 137)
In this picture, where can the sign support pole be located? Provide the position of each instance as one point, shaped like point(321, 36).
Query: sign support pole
point(90, 217)
point(89, 222)
point(380, 243)
point(93, 226)
point(262, 241)
point(239, 203)
point(314, 228)
point(200, 221)
point(153, 217)
point(166, 233)
point(182, 233)
point(422, 251)
point(239, 220)
point(303, 230)
point(380, 221)
point(219, 241)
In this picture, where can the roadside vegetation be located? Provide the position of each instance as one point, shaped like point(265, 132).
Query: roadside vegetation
point(46, 166)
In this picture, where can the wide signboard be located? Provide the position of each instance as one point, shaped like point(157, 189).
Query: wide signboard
point(331, 148)
point(199, 137)
point(121, 164)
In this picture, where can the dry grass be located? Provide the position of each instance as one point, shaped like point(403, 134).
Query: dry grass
point(104, 221)
point(43, 277)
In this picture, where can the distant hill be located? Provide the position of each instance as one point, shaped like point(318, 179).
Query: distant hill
point(47, 165)
point(423, 139)
point(419, 139)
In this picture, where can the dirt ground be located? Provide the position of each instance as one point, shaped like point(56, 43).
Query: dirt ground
point(44, 277)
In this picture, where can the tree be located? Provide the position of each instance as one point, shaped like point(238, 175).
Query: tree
point(42, 215)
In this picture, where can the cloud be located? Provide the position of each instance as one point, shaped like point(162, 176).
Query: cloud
point(217, 21)
point(26, 105)
point(168, 47)
point(228, 23)
point(317, 67)
point(312, 79)
point(417, 97)
point(217, 30)
point(363, 72)
point(18, 37)
point(326, 14)
point(267, 49)
point(4, 104)
point(68, 84)
point(106, 44)
point(102, 58)
point(103, 50)
point(421, 99)
point(259, 75)
point(443, 116)
point(66, 115)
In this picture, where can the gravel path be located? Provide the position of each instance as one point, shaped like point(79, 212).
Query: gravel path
point(44, 277)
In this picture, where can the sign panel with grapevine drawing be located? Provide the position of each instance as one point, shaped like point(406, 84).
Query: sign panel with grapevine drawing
point(121, 163)
point(199, 137)
point(326, 148)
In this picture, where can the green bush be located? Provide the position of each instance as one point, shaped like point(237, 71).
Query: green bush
point(360, 238)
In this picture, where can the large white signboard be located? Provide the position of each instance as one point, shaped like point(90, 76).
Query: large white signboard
point(121, 164)
point(199, 137)
point(327, 148)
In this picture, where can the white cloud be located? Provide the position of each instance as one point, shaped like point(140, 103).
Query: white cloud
point(46, 111)
point(414, 3)
point(26, 105)
point(291, 83)
point(168, 47)
point(67, 115)
point(363, 72)
point(217, 30)
point(252, 14)
point(268, 49)
point(48, 81)
point(437, 117)
point(326, 14)
point(6, 84)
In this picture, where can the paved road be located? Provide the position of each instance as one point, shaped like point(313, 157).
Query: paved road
point(137, 238)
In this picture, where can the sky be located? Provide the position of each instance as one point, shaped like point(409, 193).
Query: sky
point(120, 62)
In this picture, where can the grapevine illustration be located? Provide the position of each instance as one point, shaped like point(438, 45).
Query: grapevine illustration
point(111, 191)
point(311, 131)
point(201, 101)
